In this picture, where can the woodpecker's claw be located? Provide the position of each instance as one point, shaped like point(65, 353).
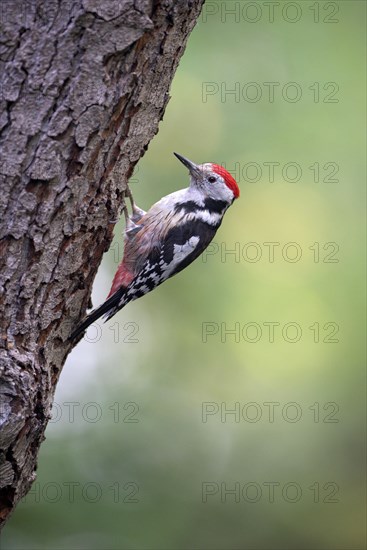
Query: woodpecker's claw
point(130, 227)
point(137, 213)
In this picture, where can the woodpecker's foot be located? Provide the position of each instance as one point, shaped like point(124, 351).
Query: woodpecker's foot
point(130, 227)
point(137, 213)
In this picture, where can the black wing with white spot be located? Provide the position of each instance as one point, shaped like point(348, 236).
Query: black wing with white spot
point(182, 245)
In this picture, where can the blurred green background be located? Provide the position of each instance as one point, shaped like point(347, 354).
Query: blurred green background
point(143, 451)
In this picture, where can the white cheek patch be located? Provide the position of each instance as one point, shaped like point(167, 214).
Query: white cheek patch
point(212, 218)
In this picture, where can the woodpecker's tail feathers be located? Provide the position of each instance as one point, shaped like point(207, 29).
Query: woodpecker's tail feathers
point(108, 308)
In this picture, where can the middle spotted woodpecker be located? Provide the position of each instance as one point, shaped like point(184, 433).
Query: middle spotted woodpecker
point(166, 239)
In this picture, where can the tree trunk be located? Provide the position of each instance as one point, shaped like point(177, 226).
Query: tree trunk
point(84, 86)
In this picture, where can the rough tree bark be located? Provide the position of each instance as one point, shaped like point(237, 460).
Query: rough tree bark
point(84, 86)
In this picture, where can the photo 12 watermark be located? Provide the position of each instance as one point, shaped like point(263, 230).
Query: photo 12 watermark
point(270, 332)
point(127, 332)
point(92, 412)
point(270, 92)
point(272, 171)
point(271, 11)
point(269, 412)
point(271, 252)
point(91, 492)
point(252, 492)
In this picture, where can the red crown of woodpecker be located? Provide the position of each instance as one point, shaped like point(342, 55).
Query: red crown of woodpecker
point(229, 180)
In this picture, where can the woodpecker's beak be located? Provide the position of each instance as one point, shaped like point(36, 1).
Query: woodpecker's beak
point(193, 168)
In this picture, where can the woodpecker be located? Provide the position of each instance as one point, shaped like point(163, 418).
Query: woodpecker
point(170, 236)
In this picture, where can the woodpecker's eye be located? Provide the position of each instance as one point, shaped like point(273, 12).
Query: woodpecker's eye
point(212, 179)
